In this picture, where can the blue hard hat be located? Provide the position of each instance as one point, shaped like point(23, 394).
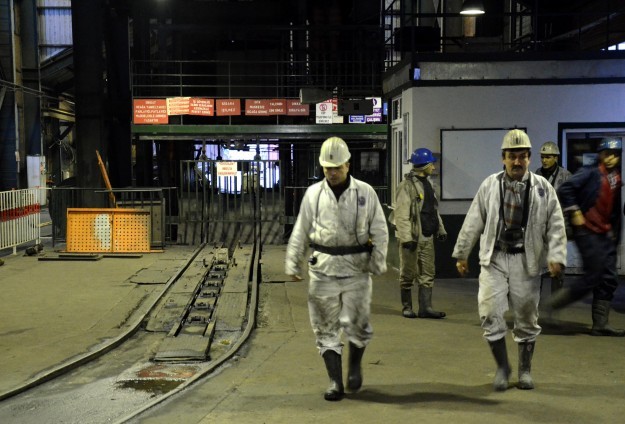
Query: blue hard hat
point(422, 157)
point(610, 144)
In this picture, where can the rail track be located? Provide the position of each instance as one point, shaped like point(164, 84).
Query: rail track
point(202, 317)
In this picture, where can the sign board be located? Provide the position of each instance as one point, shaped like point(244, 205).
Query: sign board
point(376, 116)
point(201, 106)
point(226, 169)
point(277, 107)
point(157, 111)
point(296, 108)
point(228, 107)
point(356, 119)
point(324, 112)
point(178, 105)
point(256, 107)
point(336, 118)
point(150, 111)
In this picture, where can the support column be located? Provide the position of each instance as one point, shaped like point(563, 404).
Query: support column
point(91, 114)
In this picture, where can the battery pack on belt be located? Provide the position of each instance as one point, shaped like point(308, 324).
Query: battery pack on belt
point(341, 250)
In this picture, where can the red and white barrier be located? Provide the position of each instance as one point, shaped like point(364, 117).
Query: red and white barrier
point(20, 217)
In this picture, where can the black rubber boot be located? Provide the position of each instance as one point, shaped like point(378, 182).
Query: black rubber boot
point(502, 374)
point(335, 390)
point(354, 375)
point(600, 314)
point(406, 303)
point(526, 351)
point(425, 305)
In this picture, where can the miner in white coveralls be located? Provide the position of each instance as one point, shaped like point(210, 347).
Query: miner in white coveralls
point(517, 218)
point(342, 232)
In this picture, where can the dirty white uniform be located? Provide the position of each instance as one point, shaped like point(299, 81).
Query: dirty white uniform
point(339, 291)
point(516, 276)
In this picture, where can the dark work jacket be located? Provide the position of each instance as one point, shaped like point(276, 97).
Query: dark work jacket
point(581, 191)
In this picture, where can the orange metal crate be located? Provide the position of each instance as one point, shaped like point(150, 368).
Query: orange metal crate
point(108, 230)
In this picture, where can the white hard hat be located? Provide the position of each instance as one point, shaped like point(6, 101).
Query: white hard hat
point(516, 139)
point(334, 152)
point(549, 148)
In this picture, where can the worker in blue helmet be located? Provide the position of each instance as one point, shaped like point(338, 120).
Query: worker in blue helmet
point(592, 200)
point(417, 222)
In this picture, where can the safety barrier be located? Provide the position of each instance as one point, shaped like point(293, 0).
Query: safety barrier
point(19, 217)
point(160, 202)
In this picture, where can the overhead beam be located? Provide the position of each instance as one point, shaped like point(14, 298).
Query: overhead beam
point(173, 132)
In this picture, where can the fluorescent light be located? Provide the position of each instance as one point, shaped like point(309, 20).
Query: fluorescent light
point(472, 7)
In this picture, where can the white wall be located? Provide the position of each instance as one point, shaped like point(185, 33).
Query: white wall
point(539, 108)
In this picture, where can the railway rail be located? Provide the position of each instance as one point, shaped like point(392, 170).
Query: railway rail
point(203, 316)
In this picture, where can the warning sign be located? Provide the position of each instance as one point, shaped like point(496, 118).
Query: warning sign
point(277, 107)
point(201, 106)
point(228, 107)
point(226, 169)
point(178, 105)
point(150, 111)
point(324, 112)
point(256, 107)
point(296, 108)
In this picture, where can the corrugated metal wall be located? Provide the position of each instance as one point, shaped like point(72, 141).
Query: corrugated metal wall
point(55, 27)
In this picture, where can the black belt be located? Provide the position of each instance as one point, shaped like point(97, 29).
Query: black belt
point(341, 250)
point(509, 250)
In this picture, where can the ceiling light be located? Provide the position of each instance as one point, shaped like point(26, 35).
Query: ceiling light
point(472, 7)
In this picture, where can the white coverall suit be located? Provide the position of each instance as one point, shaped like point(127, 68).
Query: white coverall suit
point(339, 291)
point(516, 276)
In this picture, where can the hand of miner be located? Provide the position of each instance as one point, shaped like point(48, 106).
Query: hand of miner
point(577, 218)
point(555, 269)
point(462, 265)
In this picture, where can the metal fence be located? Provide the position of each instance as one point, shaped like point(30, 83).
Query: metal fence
point(20, 217)
point(223, 200)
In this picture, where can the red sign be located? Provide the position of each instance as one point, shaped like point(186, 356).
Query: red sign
point(201, 106)
point(150, 111)
point(178, 105)
point(228, 107)
point(257, 107)
point(295, 108)
point(277, 107)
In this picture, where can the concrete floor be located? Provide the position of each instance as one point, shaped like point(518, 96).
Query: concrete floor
point(427, 371)
point(423, 371)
